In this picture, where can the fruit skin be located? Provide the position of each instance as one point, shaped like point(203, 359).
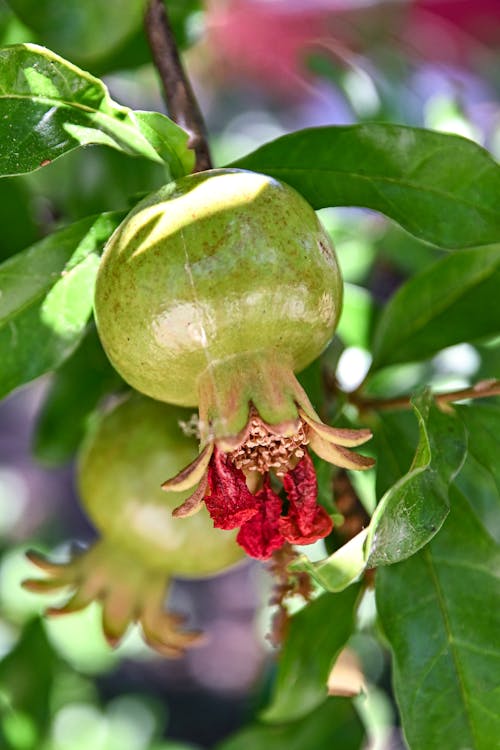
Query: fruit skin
point(120, 468)
point(215, 266)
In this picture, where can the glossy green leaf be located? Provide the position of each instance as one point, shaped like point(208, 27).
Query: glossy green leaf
point(334, 724)
point(46, 299)
point(412, 510)
point(395, 435)
point(49, 107)
point(404, 252)
point(442, 188)
point(482, 420)
point(88, 29)
point(479, 480)
point(454, 300)
point(315, 638)
point(440, 611)
point(76, 389)
point(168, 140)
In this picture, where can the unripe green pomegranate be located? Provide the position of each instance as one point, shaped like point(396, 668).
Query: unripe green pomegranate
point(119, 474)
point(216, 266)
point(213, 292)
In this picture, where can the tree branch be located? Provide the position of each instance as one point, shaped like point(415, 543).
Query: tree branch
point(482, 389)
point(180, 99)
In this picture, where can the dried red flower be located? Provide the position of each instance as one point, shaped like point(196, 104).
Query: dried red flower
point(266, 520)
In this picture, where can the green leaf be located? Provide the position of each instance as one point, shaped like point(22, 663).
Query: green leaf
point(106, 182)
point(316, 636)
point(454, 300)
point(395, 435)
point(49, 107)
point(168, 140)
point(404, 252)
point(17, 217)
point(479, 480)
point(76, 389)
point(88, 29)
point(334, 724)
point(99, 36)
point(412, 510)
point(27, 690)
point(46, 299)
point(339, 570)
point(482, 421)
point(442, 188)
point(440, 611)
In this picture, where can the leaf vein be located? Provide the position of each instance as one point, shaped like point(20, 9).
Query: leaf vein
point(390, 180)
point(452, 649)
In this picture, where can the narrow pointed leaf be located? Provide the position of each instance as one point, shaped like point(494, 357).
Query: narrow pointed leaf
point(46, 295)
point(417, 177)
point(49, 107)
point(440, 611)
point(454, 300)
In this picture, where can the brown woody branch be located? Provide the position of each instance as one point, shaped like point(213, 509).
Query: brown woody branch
point(179, 96)
point(482, 389)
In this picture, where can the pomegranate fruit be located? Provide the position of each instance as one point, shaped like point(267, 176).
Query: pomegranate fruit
point(213, 292)
point(141, 544)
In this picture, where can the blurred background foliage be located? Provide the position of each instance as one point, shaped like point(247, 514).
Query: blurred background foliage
point(260, 68)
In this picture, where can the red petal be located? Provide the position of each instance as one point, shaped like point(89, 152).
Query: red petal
point(260, 536)
point(301, 490)
point(292, 532)
point(230, 502)
point(306, 520)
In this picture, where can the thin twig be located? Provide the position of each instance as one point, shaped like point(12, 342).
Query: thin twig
point(286, 584)
point(482, 389)
point(179, 96)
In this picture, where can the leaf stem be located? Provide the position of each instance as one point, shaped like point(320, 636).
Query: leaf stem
point(482, 389)
point(181, 102)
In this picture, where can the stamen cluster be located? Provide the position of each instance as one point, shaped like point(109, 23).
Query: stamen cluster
point(264, 450)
